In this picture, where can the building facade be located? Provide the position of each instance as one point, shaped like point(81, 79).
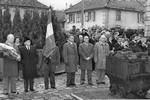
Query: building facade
point(147, 18)
point(22, 5)
point(106, 13)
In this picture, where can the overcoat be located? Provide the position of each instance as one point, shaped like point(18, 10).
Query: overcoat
point(101, 50)
point(29, 60)
point(53, 61)
point(70, 55)
point(86, 51)
point(10, 66)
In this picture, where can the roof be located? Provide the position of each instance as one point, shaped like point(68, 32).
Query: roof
point(24, 3)
point(131, 5)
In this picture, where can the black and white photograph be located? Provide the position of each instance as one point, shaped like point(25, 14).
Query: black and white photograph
point(74, 49)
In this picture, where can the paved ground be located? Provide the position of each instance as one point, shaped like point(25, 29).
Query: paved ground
point(62, 93)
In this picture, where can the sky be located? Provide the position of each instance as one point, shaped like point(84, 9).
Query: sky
point(59, 4)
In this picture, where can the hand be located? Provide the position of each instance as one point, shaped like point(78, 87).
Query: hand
point(143, 44)
point(112, 51)
point(88, 58)
point(18, 58)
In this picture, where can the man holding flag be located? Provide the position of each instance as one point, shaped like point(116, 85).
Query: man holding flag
point(51, 56)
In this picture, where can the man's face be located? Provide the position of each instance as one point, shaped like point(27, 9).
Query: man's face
point(71, 38)
point(74, 28)
point(80, 37)
point(28, 43)
point(10, 38)
point(17, 40)
point(103, 39)
point(119, 40)
point(83, 31)
point(86, 39)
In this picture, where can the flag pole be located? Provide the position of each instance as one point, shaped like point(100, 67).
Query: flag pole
point(82, 22)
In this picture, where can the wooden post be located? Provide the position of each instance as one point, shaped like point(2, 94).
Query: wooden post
point(82, 20)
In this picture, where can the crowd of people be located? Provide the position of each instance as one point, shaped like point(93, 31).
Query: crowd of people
point(88, 50)
point(85, 50)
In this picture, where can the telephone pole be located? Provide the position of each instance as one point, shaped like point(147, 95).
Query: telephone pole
point(82, 20)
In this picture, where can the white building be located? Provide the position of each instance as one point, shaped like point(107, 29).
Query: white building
point(106, 13)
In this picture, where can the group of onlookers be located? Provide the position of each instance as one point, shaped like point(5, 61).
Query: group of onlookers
point(89, 53)
point(81, 51)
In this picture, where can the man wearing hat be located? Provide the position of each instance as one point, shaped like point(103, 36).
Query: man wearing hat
point(101, 50)
point(29, 61)
point(73, 31)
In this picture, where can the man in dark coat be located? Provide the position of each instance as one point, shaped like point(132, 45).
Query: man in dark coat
point(73, 31)
point(49, 67)
point(84, 33)
point(29, 61)
point(86, 55)
point(70, 55)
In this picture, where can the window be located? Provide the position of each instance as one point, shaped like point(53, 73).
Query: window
point(78, 17)
point(140, 17)
point(89, 16)
point(86, 16)
point(93, 16)
point(67, 18)
point(118, 15)
point(71, 18)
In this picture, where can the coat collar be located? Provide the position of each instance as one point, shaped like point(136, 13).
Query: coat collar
point(103, 43)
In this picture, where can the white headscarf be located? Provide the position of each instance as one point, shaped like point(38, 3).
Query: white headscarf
point(103, 37)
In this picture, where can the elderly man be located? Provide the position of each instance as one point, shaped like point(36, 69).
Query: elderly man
point(101, 50)
point(10, 70)
point(86, 55)
point(70, 54)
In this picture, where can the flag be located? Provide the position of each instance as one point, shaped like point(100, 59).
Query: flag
point(50, 40)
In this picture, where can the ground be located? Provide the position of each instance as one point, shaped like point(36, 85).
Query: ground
point(84, 92)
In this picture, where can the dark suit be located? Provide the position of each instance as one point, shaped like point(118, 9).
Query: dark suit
point(49, 67)
point(111, 45)
point(70, 55)
point(85, 51)
point(29, 61)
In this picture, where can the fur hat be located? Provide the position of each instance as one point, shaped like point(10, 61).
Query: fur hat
point(26, 39)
